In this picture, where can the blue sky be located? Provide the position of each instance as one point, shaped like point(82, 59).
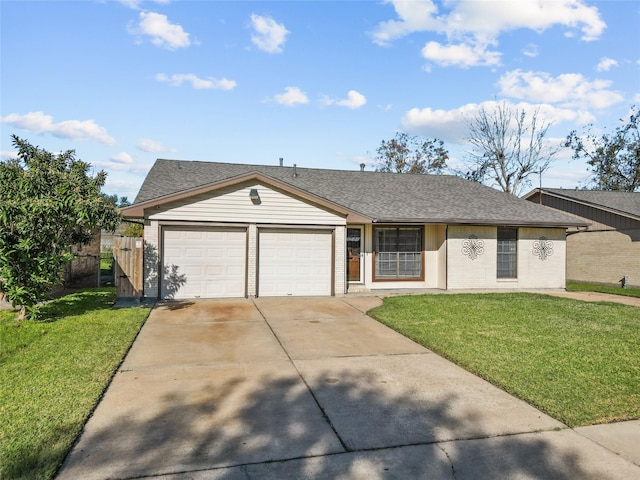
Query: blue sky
point(318, 83)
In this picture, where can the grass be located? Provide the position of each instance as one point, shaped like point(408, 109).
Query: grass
point(578, 362)
point(53, 373)
point(586, 287)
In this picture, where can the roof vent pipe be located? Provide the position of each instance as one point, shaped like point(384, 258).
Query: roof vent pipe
point(281, 161)
point(362, 165)
point(295, 170)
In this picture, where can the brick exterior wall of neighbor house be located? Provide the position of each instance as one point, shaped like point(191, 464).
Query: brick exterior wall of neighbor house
point(604, 257)
point(609, 248)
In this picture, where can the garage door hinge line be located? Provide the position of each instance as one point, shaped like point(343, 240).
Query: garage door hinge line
point(324, 413)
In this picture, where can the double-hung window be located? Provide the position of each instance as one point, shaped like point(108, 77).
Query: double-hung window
point(507, 252)
point(398, 253)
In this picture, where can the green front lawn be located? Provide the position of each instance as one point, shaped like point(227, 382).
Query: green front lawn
point(587, 287)
point(53, 373)
point(579, 362)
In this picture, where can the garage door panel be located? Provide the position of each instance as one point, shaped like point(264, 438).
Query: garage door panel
point(208, 263)
point(295, 263)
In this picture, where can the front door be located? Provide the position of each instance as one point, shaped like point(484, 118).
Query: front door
point(354, 253)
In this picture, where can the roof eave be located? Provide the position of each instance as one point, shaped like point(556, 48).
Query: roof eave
point(473, 221)
point(583, 202)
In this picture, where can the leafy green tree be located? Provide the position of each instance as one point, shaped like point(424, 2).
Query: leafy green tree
point(117, 201)
point(48, 203)
point(411, 154)
point(614, 158)
point(133, 229)
point(508, 146)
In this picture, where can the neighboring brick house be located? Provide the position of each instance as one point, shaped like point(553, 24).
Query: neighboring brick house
point(609, 248)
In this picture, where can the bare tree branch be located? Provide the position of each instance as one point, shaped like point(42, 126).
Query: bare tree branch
point(508, 147)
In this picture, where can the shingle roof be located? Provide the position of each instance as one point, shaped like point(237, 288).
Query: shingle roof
point(382, 197)
point(623, 202)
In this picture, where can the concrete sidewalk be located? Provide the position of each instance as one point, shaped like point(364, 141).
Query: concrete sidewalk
point(313, 388)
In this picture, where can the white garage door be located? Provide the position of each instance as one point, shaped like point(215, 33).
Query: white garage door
point(203, 263)
point(296, 263)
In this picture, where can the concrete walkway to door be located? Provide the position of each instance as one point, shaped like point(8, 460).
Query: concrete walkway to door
point(277, 388)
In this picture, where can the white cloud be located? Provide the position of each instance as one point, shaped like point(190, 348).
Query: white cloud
point(135, 4)
point(269, 36)
point(292, 96)
point(493, 17)
point(450, 125)
point(38, 122)
point(151, 146)
point(163, 33)
point(567, 90)
point(134, 168)
point(462, 55)
point(354, 100)
point(605, 64)
point(178, 79)
point(122, 158)
point(531, 50)
point(8, 154)
point(414, 16)
point(471, 26)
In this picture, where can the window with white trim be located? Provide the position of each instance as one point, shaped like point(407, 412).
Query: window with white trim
point(398, 253)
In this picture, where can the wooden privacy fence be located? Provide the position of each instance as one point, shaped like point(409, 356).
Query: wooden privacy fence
point(127, 266)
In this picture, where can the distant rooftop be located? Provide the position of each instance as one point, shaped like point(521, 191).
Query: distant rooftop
point(623, 202)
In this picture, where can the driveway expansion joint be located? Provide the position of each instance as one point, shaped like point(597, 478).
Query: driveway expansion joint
point(299, 373)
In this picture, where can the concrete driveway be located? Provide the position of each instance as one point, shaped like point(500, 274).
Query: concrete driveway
point(276, 388)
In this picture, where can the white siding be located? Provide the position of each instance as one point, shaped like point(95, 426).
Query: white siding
point(434, 261)
point(234, 205)
point(464, 272)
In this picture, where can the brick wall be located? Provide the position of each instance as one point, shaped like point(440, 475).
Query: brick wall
point(151, 258)
point(604, 257)
point(252, 261)
point(478, 271)
point(340, 263)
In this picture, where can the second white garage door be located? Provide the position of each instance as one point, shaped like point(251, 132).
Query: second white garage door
point(204, 263)
point(295, 263)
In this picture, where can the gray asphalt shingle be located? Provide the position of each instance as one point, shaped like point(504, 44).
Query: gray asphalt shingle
point(379, 196)
point(624, 202)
